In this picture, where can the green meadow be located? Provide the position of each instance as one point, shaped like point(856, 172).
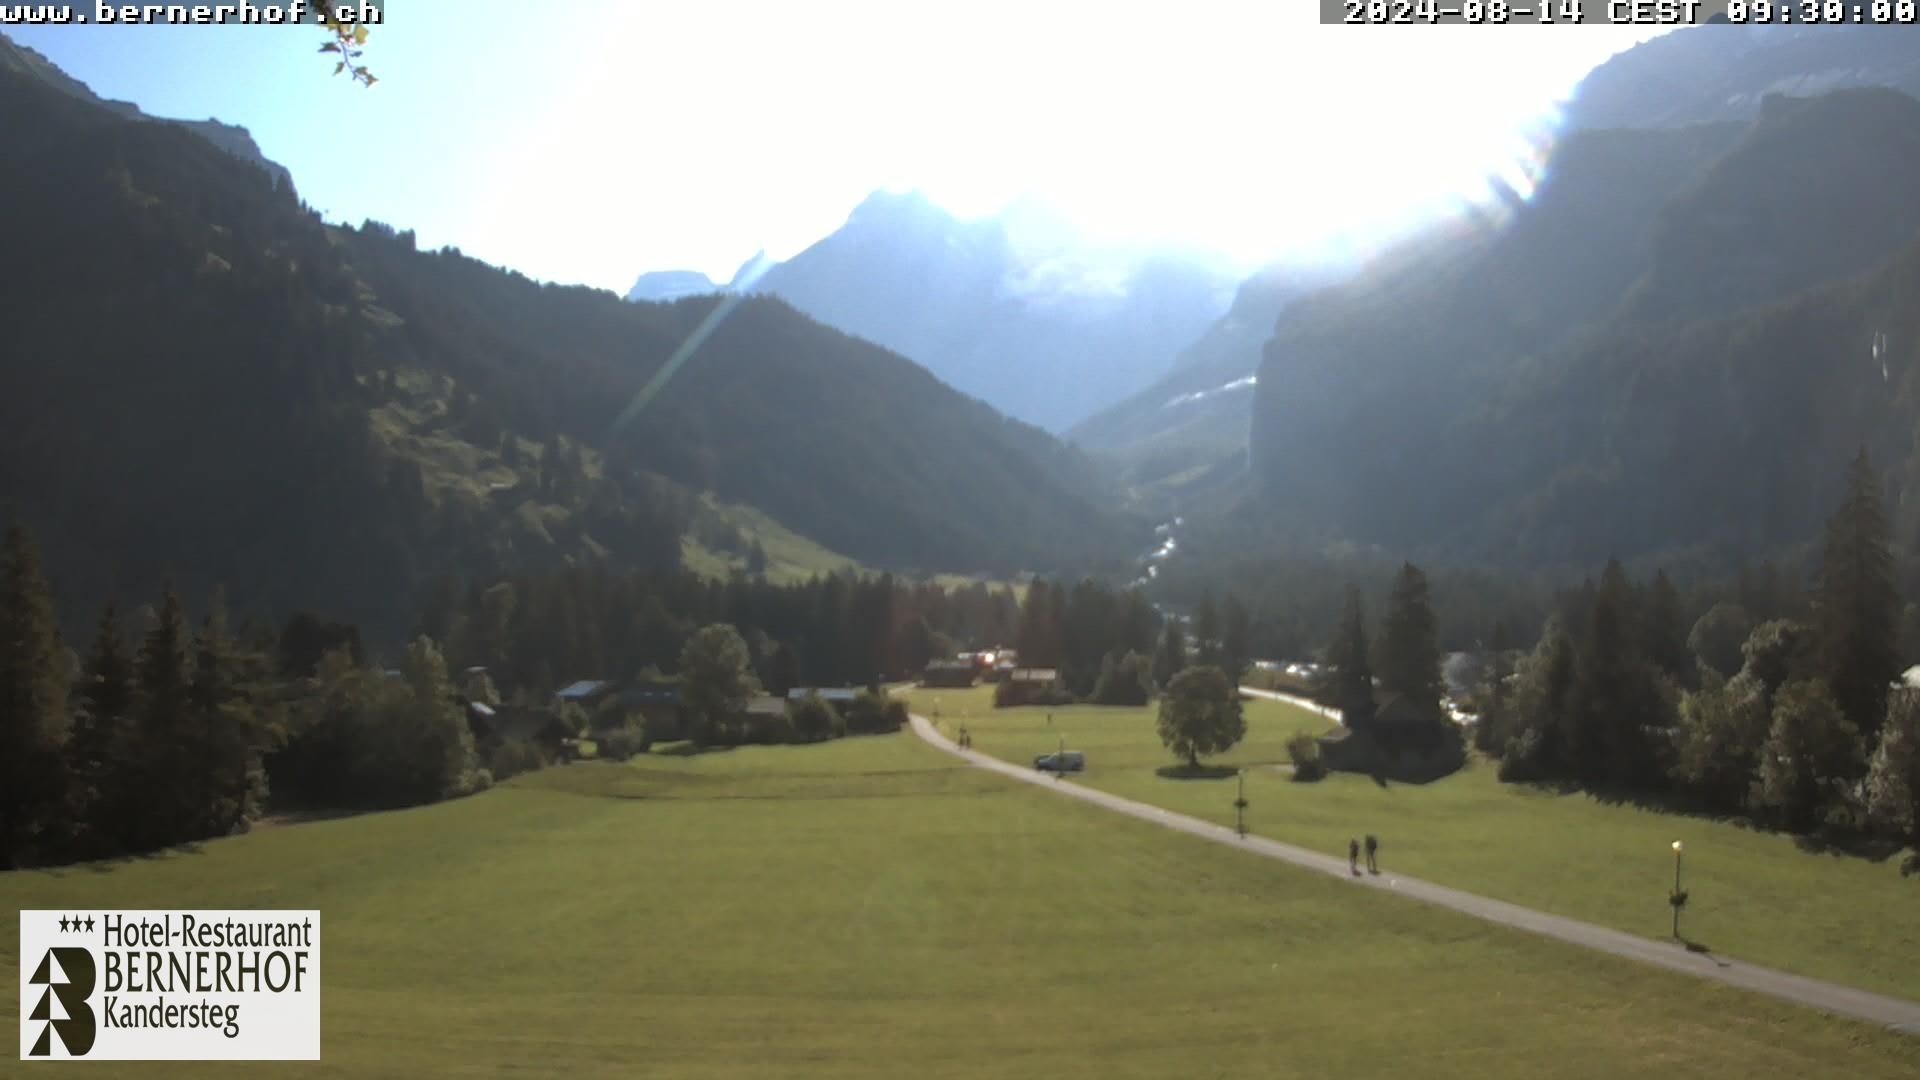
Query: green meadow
point(1755, 895)
point(872, 908)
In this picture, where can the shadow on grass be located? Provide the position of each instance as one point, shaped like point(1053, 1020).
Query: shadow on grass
point(1384, 778)
point(111, 863)
point(1195, 772)
point(1850, 842)
point(1840, 841)
point(688, 749)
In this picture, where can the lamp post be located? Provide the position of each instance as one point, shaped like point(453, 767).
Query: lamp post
point(1678, 898)
point(1240, 806)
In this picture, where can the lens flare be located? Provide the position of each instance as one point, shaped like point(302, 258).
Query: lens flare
point(687, 348)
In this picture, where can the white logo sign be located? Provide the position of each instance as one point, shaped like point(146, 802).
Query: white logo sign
point(170, 985)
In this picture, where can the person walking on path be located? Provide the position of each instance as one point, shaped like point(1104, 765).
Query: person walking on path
point(1373, 854)
point(1353, 857)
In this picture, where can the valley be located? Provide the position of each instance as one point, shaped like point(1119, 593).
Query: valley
point(625, 641)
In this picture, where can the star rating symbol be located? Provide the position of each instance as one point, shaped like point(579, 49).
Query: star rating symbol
point(75, 924)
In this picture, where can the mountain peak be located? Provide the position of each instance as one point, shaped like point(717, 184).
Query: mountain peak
point(663, 286)
point(889, 208)
point(231, 138)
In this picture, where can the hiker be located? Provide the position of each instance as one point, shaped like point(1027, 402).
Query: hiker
point(1353, 857)
point(1373, 856)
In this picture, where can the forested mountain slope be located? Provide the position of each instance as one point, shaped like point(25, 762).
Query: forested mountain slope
point(199, 379)
point(1622, 364)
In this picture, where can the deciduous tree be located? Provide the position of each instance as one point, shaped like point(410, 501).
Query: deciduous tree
point(718, 677)
point(1723, 726)
point(1717, 637)
point(1201, 716)
point(1893, 778)
point(1812, 751)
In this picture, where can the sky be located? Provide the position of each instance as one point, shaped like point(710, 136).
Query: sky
point(590, 140)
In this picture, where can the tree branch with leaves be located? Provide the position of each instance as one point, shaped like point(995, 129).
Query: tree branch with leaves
point(348, 41)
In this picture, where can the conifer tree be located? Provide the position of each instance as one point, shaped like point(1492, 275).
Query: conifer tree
point(1170, 655)
point(1859, 604)
point(1350, 681)
point(33, 706)
point(95, 756)
point(1138, 623)
point(1408, 654)
point(227, 777)
point(1234, 646)
point(1039, 642)
point(1664, 631)
point(162, 742)
point(1613, 698)
point(1206, 633)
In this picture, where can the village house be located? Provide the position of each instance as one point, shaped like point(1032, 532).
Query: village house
point(952, 674)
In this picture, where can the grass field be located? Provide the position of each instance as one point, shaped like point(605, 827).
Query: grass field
point(1753, 895)
point(870, 908)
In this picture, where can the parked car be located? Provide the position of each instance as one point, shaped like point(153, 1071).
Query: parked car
point(1064, 761)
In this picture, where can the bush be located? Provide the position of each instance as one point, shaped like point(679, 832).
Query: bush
point(875, 713)
point(872, 713)
point(814, 719)
point(1013, 695)
point(623, 743)
point(1304, 749)
point(515, 756)
point(1525, 761)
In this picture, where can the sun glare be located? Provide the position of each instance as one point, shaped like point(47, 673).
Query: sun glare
point(671, 139)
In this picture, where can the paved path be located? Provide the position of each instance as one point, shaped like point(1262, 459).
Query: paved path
point(1293, 699)
point(1894, 1013)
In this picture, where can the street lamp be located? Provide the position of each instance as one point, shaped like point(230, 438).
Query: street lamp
point(1678, 898)
point(1240, 806)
